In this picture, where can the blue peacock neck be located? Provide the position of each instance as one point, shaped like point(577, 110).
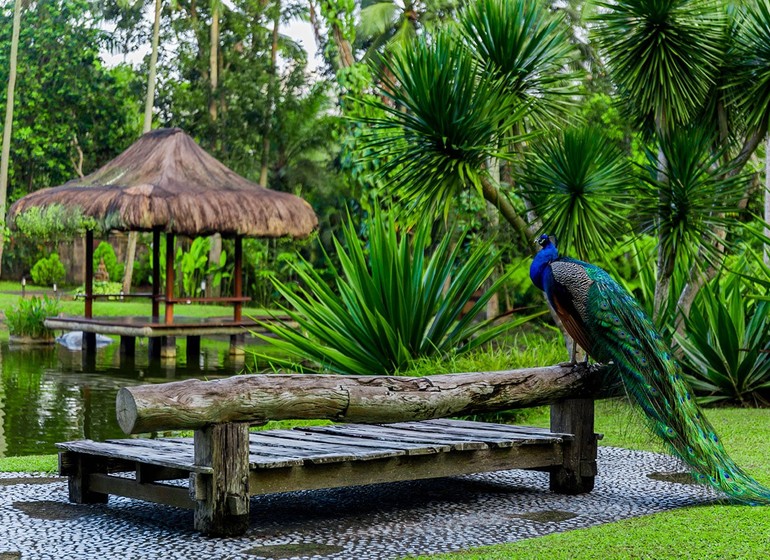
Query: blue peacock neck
point(540, 263)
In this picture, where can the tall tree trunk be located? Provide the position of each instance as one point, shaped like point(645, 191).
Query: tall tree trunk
point(767, 198)
point(215, 247)
point(214, 60)
point(271, 94)
point(149, 103)
point(8, 125)
point(665, 264)
point(493, 195)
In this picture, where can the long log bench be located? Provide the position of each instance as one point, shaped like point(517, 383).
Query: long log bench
point(393, 429)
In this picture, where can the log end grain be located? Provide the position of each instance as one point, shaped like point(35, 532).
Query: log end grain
point(126, 410)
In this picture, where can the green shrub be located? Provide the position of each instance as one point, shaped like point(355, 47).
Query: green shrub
point(48, 270)
point(395, 306)
point(114, 268)
point(26, 318)
point(727, 344)
point(102, 288)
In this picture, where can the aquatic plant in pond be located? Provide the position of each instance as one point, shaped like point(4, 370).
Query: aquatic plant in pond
point(26, 318)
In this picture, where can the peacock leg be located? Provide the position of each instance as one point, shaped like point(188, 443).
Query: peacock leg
point(573, 355)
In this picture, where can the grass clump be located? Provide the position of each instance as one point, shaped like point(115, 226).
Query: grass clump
point(30, 463)
point(26, 318)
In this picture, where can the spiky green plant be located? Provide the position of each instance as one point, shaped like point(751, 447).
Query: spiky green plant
point(663, 55)
point(727, 344)
point(390, 306)
point(750, 83)
point(578, 184)
point(443, 119)
point(527, 46)
point(692, 197)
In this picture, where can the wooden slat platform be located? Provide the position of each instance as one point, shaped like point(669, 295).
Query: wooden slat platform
point(314, 457)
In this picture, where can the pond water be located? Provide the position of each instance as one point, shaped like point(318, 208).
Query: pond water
point(48, 395)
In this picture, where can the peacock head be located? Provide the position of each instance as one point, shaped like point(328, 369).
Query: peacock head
point(542, 260)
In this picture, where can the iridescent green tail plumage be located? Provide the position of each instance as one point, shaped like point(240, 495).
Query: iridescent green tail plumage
point(620, 332)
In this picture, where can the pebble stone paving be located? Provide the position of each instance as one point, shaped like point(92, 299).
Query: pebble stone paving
point(377, 522)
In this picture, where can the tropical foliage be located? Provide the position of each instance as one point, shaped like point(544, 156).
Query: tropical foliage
point(48, 271)
point(726, 344)
point(26, 318)
point(398, 298)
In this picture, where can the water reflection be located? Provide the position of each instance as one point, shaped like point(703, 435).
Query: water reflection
point(48, 395)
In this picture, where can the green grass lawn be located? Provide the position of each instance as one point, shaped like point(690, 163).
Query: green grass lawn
point(718, 532)
point(139, 307)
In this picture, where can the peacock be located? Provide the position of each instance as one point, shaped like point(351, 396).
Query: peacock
point(608, 323)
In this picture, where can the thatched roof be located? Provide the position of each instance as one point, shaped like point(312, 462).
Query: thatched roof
point(165, 180)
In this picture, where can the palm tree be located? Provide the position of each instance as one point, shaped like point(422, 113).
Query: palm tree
point(452, 104)
point(670, 61)
point(8, 124)
point(147, 126)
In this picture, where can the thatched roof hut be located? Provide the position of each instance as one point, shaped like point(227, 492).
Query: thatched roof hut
point(166, 181)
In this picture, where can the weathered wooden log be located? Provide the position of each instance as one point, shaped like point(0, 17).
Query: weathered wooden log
point(255, 399)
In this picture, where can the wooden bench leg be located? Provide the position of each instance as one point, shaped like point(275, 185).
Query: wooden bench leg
point(576, 474)
point(79, 468)
point(222, 498)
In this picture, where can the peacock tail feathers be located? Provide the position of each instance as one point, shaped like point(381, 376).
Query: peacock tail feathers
point(611, 326)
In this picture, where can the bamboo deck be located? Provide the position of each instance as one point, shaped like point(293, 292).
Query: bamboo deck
point(313, 458)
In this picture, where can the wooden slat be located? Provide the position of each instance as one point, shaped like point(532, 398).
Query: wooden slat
point(473, 433)
point(459, 434)
point(405, 467)
point(317, 439)
point(449, 432)
point(257, 458)
point(415, 437)
point(316, 451)
point(502, 428)
point(130, 453)
point(429, 445)
point(368, 449)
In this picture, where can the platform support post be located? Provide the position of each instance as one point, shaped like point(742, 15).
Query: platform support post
point(79, 468)
point(193, 350)
point(222, 497)
point(576, 474)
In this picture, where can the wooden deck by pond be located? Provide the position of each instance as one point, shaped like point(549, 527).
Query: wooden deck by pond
point(160, 333)
point(309, 458)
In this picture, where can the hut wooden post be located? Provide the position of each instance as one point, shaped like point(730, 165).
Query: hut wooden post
point(89, 280)
point(169, 277)
point(168, 343)
point(238, 280)
point(236, 340)
point(155, 274)
point(88, 342)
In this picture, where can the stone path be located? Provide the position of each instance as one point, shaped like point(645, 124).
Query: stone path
point(376, 522)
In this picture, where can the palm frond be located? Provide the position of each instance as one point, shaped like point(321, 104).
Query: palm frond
point(528, 47)
point(750, 83)
point(687, 201)
point(663, 55)
point(442, 121)
point(578, 183)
